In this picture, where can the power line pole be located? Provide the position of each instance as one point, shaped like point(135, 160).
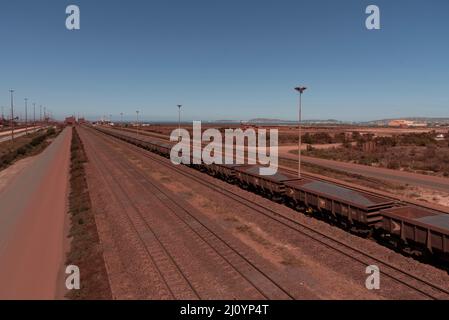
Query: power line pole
point(12, 115)
point(137, 124)
point(26, 116)
point(40, 114)
point(34, 115)
point(179, 121)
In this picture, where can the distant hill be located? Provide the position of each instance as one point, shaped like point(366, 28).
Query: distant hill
point(428, 120)
point(280, 121)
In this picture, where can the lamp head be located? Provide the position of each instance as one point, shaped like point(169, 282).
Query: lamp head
point(300, 89)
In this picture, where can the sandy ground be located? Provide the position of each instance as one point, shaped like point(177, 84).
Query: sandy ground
point(32, 223)
point(290, 147)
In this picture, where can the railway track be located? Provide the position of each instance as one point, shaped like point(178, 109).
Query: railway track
point(421, 286)
point(210, 240)
point(160, 257)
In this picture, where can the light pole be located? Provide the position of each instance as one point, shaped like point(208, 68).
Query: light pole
point(26, 116)
point(40, 114)
point(121, 119)
point(12, 115)
point(179, 121)
point(137, 124)
point(300, 90)
point(34, 115)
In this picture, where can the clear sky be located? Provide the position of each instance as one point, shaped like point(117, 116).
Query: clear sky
point(227, 59)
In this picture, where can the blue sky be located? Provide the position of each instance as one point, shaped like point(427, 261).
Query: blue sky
point(230, 59)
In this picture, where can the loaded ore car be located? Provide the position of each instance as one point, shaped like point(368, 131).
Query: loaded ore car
point(271, 186)
point(417, 229)
point(408, 228)
point(162, 148)
point(350, 208)
point(223, 171)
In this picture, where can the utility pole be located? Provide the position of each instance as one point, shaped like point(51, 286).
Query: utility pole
point(179, 121)
point(40, 114)
point(300, 90)
point(137, 124)
point(26, 116)
point(34, 115)
point(121, 119)
point(12, 115)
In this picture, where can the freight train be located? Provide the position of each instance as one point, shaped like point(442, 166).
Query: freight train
point(410, 229)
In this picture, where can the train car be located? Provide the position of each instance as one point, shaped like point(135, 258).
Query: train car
point(271, 186)
point(162, 148)
point(417, 230)
point(223, 171)
point(350, 208)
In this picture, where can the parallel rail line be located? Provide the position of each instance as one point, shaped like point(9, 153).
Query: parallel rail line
point(422, 286)
point(168, 199)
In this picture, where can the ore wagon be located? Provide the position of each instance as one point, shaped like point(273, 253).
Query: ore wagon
point(351, 207)
point(418, 229)
point(271, 186)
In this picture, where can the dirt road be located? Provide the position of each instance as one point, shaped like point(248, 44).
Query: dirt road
point(416, 179)
point(32, 220)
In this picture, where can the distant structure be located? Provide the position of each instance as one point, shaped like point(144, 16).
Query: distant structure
point(81, 120)
point(406, 123)
point(70, 121)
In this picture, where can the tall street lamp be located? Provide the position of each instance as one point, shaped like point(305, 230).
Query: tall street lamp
point(12, 115)
point(137, 124)
point(121, 119)
point(26, 116)
point(179, 121)
point(34, 115)
point(300, 90)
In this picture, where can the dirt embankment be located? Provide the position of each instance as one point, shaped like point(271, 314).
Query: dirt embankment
point(86, 251)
